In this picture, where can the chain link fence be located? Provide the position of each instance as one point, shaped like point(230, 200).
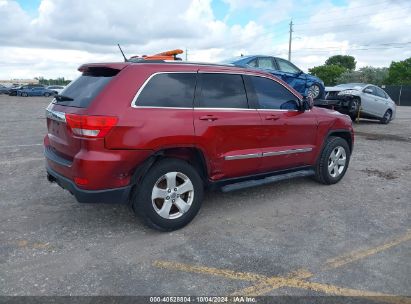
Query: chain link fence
point(401, 94)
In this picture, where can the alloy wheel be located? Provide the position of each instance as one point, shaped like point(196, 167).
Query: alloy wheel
point(314, 91)
point(172, 195)
point(337, 161)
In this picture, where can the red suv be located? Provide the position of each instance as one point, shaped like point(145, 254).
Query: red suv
point(156, 134)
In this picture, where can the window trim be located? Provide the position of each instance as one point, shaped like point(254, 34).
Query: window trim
point(134, 101)
point(256, 104)
point(250, 108)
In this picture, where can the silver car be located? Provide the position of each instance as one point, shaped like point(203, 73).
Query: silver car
point(370, 100)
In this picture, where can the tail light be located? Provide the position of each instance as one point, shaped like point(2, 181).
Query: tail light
point(90, 126)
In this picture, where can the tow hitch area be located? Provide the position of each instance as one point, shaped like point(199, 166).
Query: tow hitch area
point(51, 178)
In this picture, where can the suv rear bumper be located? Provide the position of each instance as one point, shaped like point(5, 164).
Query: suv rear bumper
point(117, 195)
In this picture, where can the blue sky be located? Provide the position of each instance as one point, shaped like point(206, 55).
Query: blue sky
point(30, 6)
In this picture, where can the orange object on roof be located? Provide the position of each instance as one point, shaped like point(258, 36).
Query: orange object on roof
point(167, 55)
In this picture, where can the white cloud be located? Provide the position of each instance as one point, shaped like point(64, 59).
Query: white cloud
point(67, 33)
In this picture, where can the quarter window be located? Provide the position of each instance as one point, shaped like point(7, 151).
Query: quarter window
point(168, 90)
point(272, 95)
point(222, 91)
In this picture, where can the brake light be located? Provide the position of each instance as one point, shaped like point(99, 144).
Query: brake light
point(90, 126)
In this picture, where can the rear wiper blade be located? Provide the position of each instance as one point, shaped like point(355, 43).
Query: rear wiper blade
point(63, 98)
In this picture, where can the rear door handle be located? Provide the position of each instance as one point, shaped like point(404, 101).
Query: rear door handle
point(208, 117)
point(272, 117)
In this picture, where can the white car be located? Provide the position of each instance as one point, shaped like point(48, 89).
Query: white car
point(56, 88)
point(370, 100)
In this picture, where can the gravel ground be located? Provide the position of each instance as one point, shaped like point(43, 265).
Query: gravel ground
point(352, 238)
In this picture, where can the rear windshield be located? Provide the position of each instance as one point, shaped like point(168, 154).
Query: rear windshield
point(80, 92)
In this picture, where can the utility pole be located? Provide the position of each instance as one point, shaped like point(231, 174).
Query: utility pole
point(186, 54)
point(289, 41)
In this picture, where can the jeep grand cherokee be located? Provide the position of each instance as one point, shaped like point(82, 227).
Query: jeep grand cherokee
point(155, 135)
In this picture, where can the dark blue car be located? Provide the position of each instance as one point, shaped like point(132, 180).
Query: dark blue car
point(305, 84)
point(35, 91)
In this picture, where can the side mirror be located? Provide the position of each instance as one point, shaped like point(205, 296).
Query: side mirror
point(307, 103)
point(369, 91)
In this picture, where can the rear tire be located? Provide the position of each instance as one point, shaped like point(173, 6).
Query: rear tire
point(169, 196)
point(387, 117)
point(46, 94)
point(24, 94)
point(333, 162)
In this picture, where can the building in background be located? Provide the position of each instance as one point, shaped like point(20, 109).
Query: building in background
point(9, 83)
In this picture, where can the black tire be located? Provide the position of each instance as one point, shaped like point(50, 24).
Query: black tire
point(322, 173)
point(143, 205)
point(353, 108)
point(46, 94)
point(387, 117)
point(24, 94)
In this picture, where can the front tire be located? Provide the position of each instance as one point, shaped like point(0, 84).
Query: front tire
point(333, 162)
point(46, 94)
point(387, 117)
point(169, 196)
point(353, 108)
point(24, 94)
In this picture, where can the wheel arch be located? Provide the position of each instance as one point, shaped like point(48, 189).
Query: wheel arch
point(344, 134)
point(193, 155)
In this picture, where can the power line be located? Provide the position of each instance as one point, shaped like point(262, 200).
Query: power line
point(348, 18)
point(394, 44)
point(351, 49)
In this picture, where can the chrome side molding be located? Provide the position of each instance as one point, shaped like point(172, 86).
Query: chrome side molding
point(268, 154)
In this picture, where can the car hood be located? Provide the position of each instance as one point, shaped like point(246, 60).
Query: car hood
point(313, 78)
point(342, 88)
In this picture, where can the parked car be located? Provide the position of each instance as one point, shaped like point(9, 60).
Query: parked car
point(35, 91)
point(155, 135)
point(57, 89)
point(4, 90)
point(305, 84)
point(367, 99)
point(13, 91)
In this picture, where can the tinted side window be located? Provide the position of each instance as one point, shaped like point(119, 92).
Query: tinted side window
point(222, 91)
point(374, 91)
point(272, 95)
point(381, 93)
point(168, 90)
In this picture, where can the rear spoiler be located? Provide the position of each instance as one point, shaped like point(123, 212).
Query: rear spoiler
point(109, 66)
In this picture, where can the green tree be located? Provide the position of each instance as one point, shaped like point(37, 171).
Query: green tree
point(399, 72)
point(327, 73)
point(366, 74)
point(344, 61)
